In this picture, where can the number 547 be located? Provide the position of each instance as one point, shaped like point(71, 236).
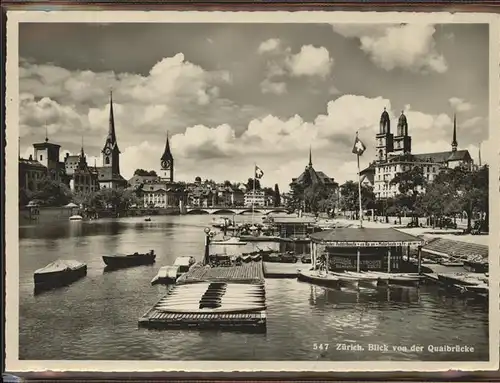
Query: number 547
point(321, 346)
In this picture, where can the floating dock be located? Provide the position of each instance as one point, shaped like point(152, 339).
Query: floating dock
point(237, 293)
point(283, 270)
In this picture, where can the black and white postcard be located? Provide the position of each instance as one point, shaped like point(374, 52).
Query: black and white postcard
point(252, 191)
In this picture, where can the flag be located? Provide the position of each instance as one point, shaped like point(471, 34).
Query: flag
point(359, 147)
point(258, 172)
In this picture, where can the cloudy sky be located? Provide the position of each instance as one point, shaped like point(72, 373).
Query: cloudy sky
point(231, 95)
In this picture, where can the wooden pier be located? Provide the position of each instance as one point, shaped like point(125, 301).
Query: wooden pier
point(246, 273)
point(234, 277)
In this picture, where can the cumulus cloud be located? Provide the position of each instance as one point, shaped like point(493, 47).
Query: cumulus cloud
point(406, 46)
point(174, 94)
point(460, 105)
point(269, 45)
point(310, 61)
point(281, 146)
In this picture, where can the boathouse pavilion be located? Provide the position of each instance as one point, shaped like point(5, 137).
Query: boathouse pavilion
point(363, 249)
point(291, 226)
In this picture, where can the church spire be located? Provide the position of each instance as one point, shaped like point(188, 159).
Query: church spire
point(167, 154)
point(454, 143)
point(479, 154)
point(310, 157)
point(111, 132)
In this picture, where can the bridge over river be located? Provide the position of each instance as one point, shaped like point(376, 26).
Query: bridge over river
point(233, 210)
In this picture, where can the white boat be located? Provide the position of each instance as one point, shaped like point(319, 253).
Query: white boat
point(346, 280)
point(59, 273)
point(170, 274)
point(166, 274)
point(220, 222)
point(366, 279)
point(76, 217)
point(230, 241)
point(315, 277)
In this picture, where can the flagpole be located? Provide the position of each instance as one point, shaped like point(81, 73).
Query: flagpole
point(253, 197)
point(359, 191)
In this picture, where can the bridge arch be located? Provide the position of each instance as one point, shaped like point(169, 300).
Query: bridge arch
point(276, 211)
point(249, 211)
point(197, 211)
point(223, 211)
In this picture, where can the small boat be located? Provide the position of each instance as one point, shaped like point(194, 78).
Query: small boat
point(184, 263)
point(76, 217)
point(148, 219)
point(166, 274)
point(256, 257)
point(480, 288)
point(219, 223)
point(403, 279)
point(365, 279)
point(346, 280)
point(246, 258)
point(230, 241)
point(59, 273)
point(127, 260)
point(462, 279)
point(313, 276)
point(476, 266)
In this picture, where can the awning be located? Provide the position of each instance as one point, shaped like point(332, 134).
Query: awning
point(365, 237)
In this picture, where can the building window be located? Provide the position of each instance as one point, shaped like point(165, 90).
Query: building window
point(41, 157)
point(106, 161)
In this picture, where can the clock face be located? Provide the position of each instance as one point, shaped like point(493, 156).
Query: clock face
point(165, 164)
point(107, 151)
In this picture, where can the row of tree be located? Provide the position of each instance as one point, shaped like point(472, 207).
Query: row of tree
point(453, 192)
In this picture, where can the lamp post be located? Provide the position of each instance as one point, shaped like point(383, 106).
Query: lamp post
point(207, 245)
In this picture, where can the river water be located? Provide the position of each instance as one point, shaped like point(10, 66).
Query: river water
point(96, 317)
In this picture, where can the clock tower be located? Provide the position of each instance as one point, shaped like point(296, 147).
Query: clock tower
point(110, 152)
point(167, 164)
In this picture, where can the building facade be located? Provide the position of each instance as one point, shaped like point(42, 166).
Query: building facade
point(82, 178)
point(311, 177)
point(43, 164)
point(394, 155)
point(255, 198)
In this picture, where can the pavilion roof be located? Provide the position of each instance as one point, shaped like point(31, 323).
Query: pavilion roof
point(365, 237)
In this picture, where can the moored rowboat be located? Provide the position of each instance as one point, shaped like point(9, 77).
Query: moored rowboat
point(127, 260)
point(59, 273)
point(313, 276)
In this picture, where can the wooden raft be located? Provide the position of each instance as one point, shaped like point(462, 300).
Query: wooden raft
point(246, 273)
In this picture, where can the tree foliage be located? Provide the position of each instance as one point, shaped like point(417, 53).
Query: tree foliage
point(455, 191)
point(50, 193)
point(349, 197)
point(250, 183)
point(277, 196)
point(142, 172)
